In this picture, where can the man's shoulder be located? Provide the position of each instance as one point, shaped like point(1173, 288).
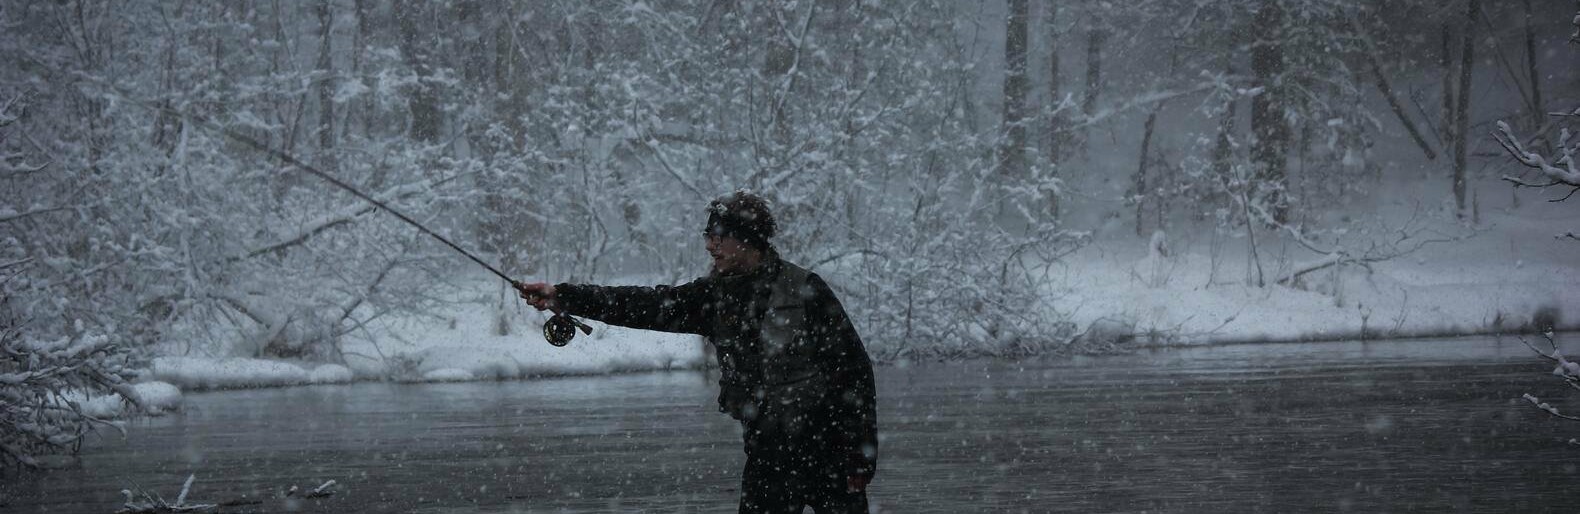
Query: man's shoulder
point(792, 274)
point(794, 269)
point(807, 283)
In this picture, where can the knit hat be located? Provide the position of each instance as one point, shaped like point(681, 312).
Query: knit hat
point(744, 216)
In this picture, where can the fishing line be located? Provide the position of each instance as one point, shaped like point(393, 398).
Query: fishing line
point(558, 330)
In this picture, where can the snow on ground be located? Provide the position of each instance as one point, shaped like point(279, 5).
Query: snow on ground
point(1505, 271)
point(156, 398)
point(330, 374)
point(203, 373)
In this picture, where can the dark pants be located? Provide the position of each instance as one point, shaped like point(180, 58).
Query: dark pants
point(791, 462)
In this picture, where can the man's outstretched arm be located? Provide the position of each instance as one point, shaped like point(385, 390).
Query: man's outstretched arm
point(664, 308)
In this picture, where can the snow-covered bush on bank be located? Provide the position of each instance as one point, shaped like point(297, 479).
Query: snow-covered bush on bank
point(65, 328)
point(54, 393)
point(55, 356)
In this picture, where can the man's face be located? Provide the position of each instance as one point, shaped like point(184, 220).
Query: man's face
point(730, 255)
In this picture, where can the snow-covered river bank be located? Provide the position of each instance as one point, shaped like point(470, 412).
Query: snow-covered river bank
point(1367, 427)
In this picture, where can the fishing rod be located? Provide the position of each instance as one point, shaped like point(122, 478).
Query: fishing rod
point(558, 330)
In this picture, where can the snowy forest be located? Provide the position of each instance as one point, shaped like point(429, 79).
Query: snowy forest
point(1002, 178)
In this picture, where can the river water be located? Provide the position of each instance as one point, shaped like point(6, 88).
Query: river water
point(1402, 426)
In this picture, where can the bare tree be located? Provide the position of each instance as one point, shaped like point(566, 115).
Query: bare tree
point(1385, 87)
point(1224, 142)
point(1096, 39)
point(1012, 146)
point(1533, 67)
point(1462, 108)
point(1445, 61)
point(1057, 139)
point(1269, 131)
point(414, 18)
point(326, 87)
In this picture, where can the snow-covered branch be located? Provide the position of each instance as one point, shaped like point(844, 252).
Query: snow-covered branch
point(155, 504)
point(1144, 99)
point(1372, 254)
point(798, 42)
point(18, 262)
point(14, 164)
point(1567, 370)
point(344, 216)
point(37, 378)
point(1544, 406)
point(658, 154)
point(1575, 38)
point(1409, 241)
point(1562, 172)
point(7, 215)
point(11, 166)
point(1386, 88)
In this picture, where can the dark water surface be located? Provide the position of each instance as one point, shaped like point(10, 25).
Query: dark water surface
point(1411, 426)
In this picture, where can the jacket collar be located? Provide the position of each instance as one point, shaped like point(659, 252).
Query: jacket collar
point(767, 269)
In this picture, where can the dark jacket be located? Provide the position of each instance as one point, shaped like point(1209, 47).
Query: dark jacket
point(729, 311)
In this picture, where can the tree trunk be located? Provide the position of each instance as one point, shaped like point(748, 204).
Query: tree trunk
point(1095, 39)
point(358, 43)
point(510, 78)
point(1462, 107)
point(1537, 114)
point(283, 183)
point(1386, 88)
point(326, 89)
point(470, 42)
point(1012, 146)
point(1058, 123)
point(222, 81)
point(1446, 61)
point(1145, 188)
point(417, 46)
point(1141, 169)
point(1271, 135)
point(1223, 148)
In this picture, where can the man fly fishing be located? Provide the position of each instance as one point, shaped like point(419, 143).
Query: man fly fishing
point(793, 370)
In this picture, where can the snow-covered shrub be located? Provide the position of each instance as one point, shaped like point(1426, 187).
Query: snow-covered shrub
point(43, 387)
point(65, 354)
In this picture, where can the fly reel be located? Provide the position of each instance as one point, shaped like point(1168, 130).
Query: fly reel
point(561, 328)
